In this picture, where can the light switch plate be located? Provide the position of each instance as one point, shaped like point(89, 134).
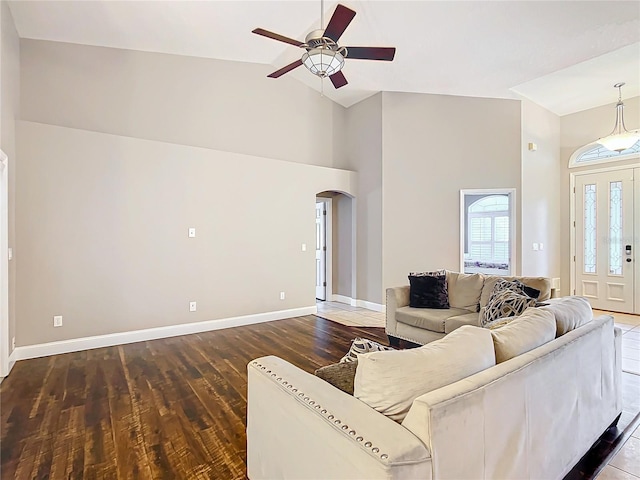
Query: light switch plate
point(192, 232)
point(192, 306)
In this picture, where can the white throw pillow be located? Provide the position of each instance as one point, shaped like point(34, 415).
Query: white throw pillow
point(464, 290)
point(390, 381)
point(570, 312)
point(533, 328)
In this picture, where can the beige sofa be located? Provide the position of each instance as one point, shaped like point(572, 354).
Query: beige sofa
point(468, 295)
point(532, 416)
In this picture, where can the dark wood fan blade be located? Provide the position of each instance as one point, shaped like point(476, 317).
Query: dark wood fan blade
point(371, 53)
point(338, 80)
point(339, 22)
point(286, 69)
point(276, 36)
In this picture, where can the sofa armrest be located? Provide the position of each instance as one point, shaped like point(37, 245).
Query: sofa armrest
point(396, 297)
point(299, 426)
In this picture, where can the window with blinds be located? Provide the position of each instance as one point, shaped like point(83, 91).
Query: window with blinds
point(488, 229)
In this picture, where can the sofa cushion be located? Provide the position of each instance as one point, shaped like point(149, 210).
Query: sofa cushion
point(362, 345)
point(464, 290)
point(390, 381)
point(570, 313)
point(428, 291)
point(533, 328)
point(505, 303)
point(427, 318)
point(452, 323)
point(539, 283)
point(340, 375)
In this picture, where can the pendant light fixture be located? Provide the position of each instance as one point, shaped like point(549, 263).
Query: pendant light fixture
point(620, 138)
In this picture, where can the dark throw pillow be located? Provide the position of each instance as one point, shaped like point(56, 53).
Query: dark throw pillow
point(340, 375)
point(428, 291)
point(530, 291)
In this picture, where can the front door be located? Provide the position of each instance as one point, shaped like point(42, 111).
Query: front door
point(604, 263)
point(321, 252)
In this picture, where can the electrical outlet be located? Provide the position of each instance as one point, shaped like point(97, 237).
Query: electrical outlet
point(304, 247)
point(192, 306)
point(57, 321)
point(281, 295)
point(542, 246)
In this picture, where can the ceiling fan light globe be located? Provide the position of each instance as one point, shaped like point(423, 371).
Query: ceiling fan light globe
point(323, 62)
point(619, 141)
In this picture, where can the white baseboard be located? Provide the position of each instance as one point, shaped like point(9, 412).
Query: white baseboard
point(370, 305)
point(343, 299)
point(111, 339)
point(10, 363)
point(358, 303)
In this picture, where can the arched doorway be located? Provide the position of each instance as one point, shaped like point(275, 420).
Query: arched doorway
point(335, 247)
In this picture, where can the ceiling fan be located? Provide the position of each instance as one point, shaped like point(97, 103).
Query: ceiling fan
point(323, 56)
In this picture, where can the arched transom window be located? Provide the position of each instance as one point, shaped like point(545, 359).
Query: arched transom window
point(596, 153)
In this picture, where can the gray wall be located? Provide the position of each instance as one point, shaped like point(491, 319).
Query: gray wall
point(102, 228)
point(434, 146)
point(364, 125)
point(342, 245)
point(541, 178)
point(217, 104)
point(577, 130)
point(10, 110)
point(124, 150)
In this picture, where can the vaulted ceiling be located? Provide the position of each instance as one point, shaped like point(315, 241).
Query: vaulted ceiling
point(563, 55)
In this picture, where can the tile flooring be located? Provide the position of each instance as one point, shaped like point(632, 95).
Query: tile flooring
point(625, 465)
point(350, 316)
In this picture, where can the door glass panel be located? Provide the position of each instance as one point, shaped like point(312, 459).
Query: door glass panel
point(590, 230)
point(615, 228)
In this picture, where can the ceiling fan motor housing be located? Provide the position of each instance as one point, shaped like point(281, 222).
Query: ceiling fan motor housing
point(316, 39)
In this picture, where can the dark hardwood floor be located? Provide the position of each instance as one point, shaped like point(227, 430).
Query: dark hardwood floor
point(163, 409)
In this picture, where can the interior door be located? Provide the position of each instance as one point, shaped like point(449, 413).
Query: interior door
point(321, 251)
point(605, 266)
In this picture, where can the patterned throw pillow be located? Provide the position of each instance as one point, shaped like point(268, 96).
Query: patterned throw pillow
point(435, 273)
point(362, 345)
point(516, 286)
point(505, 303)
point(428, 291)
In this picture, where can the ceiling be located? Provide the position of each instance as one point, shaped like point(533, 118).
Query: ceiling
point(563, 55)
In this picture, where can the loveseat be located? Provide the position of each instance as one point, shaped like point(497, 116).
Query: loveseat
point(533, 415)
point(468, 296)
